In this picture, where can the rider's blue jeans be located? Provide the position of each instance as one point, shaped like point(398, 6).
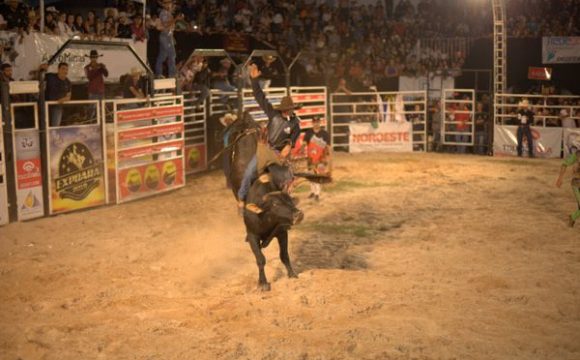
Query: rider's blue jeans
point(250, 175)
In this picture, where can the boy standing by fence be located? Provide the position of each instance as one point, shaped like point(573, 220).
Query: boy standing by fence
point(317, 142)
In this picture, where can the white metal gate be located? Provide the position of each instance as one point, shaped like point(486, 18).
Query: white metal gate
point(195, 133)
point(458, 117)
point(369, 107)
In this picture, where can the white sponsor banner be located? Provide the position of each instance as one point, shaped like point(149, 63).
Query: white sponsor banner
point(435, 84)
point(37, 48)
point(547, 141)
point(387, 137)
point(570, 135)
point(28, 174)
point(561, 50)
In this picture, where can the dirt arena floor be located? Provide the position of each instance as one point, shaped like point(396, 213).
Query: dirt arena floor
point(416, 256)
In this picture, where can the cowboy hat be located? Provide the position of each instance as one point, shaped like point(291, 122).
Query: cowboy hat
point(225, 60)
point(228, 117)
point(94, 54)
point(524, 103)
point(563, 112)
point(51, 9)
point(286, 104)
point(135, 70)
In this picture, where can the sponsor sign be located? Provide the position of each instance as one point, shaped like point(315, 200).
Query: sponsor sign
point(29, 196)
point(547, 141)
point(150, 158)
point(195, 158)
point(149, 179)
point(561, 50)
point(28, 51)
point(570, 135)
point(77, 172)
point(387, 137)
point(539, 73)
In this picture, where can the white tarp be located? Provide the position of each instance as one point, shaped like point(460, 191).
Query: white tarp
point(436, 83)
point(561, 50)
point(547, 141)
point(569, 136)
point(28, 53)
point(386, 137)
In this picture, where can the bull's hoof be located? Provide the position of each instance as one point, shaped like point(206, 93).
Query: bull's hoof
point(292, 275)
point(264, 287)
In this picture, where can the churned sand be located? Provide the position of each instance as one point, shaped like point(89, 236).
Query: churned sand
point(407, 256)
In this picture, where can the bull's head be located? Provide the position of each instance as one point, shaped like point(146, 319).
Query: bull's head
point(282, 208)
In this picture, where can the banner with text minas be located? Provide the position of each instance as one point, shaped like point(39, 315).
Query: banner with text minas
point(386, 137)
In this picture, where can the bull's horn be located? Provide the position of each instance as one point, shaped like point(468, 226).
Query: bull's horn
point(272, 193)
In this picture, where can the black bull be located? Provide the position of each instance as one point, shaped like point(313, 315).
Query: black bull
point(274, 211)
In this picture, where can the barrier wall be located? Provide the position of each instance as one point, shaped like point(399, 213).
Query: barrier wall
point(556, 118)
point(195, 133)
point(27, 160)
point(387, 121)
point(146, 146)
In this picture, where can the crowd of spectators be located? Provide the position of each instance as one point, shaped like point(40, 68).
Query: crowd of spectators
point(365, 44)
point(124, 20)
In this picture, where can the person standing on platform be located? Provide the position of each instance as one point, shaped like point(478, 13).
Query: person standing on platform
point(58, 88)
point(525, 121)
point(96, 73)
point(317, 142)
point(166, 40)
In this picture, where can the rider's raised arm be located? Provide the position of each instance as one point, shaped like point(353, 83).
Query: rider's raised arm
point(261, 99)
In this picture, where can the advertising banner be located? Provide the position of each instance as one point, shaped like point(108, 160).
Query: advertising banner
point(386, 137)
point(26, 53)
point(29, 195)
point(547, 141)
point(570, 136)
point(539, 73)
point(149, 179)
point(561, 50)
point(77, 170)
point(195, 158)
point(150, 151)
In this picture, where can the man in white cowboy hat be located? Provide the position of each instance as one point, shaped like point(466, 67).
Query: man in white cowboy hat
point(525, 121)
point(567, 121)
point(572, 160)
point(283, 129)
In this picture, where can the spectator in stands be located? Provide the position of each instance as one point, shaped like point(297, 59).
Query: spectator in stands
point(525, 120)
point(50, 23)
point(138, 29)
point(90, 24)
point(124, 30)
point(96, 73)
point(134, 85)
point(166, 40)
point(16, 15)
point(79, 25)
point(58, 88)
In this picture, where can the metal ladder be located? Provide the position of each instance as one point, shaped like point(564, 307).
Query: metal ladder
point(499, 52)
